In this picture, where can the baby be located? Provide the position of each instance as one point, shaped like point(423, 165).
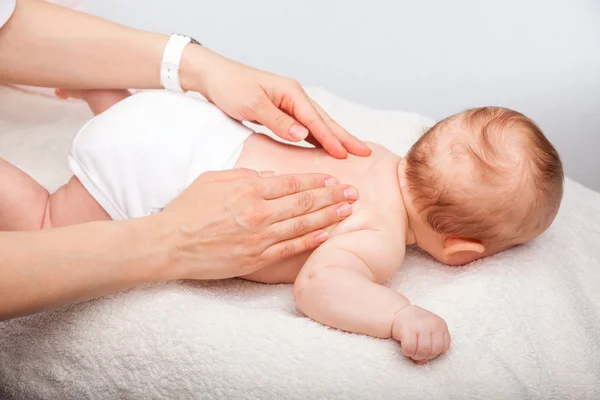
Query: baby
point(475, 184)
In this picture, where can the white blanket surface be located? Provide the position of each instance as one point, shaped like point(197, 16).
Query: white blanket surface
point(525, 324)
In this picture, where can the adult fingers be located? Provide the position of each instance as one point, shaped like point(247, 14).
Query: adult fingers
point(308, 201)
point(305, 113)
point(288, 248)
point(350, 143)
point(227, 175)
point(298, 226)
point(283, 125)
point(312, 140)
point(285, 185)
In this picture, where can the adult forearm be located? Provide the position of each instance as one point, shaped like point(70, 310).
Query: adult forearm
point(47, 45)
point(47, 269)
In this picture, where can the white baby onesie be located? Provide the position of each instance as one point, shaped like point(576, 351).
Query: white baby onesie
point(137, 156)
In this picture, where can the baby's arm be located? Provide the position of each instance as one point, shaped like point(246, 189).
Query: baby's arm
point(339, 286)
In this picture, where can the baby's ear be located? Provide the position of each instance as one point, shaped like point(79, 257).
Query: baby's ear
point(458, 251)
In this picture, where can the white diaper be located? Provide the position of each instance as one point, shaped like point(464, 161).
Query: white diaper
point(141, 153)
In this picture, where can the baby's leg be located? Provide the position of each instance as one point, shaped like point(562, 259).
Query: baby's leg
point(23, 201)
point(72, 204)
point(26, 206)
point(98, 100)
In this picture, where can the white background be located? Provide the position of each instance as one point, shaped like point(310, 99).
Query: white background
point(434, 57)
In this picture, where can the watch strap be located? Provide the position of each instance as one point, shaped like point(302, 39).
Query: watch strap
point(169, 66)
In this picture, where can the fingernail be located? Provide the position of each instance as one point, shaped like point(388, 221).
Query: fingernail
point(344, 210)
point(298, 132)
point(331, 182)
point(320, 237)
point(265, 174)
point(350, 193)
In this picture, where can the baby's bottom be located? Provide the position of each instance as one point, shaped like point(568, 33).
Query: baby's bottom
point(25, 205)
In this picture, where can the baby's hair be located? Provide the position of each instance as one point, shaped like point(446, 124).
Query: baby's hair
point(468, 173)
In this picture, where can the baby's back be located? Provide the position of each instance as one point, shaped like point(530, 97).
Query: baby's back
point(375, 177)
point(138, 155)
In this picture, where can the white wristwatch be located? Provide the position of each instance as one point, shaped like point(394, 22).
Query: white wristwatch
point(169, 66)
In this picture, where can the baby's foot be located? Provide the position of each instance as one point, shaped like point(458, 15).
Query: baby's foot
point(80, 94)
point(99, 100)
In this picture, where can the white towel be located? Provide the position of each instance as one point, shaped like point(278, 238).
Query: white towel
point(525, 323)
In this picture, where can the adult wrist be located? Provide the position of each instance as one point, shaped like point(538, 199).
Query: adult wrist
point(194, 67)
point(153, 247)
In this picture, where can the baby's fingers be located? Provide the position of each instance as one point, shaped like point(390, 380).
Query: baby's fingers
point(423, 347)
point(446, 341)
point(437, 344)
point(409, 343)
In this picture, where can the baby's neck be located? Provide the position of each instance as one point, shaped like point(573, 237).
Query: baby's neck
point(406, 202)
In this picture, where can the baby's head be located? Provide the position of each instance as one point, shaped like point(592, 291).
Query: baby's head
point(480, 182)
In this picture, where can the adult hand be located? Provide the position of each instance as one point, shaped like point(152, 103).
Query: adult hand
point(281, 104)
point(38, 42)
point(231, 223)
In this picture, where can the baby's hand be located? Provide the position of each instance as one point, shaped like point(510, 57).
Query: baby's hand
point(422, 334)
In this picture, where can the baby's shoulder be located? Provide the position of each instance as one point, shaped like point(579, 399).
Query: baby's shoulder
point(382, 251)
point(362, 219)
point(369, 223)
